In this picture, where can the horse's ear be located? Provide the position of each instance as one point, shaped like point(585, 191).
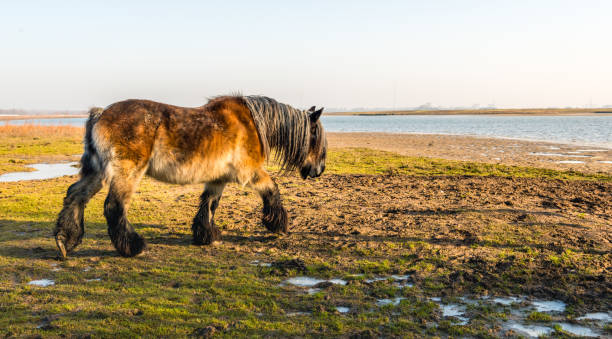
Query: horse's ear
point(314, 116)
point(312, 109)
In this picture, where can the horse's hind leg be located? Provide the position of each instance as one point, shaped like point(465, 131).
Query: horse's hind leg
point(123, 183)
point(70, 228)
point(205, 232)
point(274, 214)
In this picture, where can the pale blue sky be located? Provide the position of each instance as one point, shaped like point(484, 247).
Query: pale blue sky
point(75, 54)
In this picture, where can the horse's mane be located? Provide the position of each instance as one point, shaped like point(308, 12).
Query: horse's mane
point(282, 128)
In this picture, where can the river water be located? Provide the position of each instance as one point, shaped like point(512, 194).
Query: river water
point(585, 130)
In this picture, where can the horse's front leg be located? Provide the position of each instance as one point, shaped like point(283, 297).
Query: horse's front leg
point(205, 232)
point(274, 214)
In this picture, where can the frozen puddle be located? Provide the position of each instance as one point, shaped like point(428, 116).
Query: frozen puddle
point(453, 310)
point(311, 282)
point(578, 330)
point(399, 280)
point(43, 171)
point(605, 162)
point(507, 301)
point(535, 331)
point(548, 305)
point(42, 282)
point(599, 316)
point(518, 323)
point(385, 302)
point(532, 331)
point(260, 263)
point(94, 279)
point(297, 314)
point(342, 309)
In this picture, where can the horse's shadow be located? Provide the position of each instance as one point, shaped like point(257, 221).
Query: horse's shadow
point(38, 242)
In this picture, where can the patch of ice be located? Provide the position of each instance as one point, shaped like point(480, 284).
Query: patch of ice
point(295, 314)
point(342, 309)
point(605, 161)
point(260, 263)
point(456, 311)
point(43, 171)
point(532, 331)
point(403, 284)
point(601, 316)
point(452, 310)
point(471, 301)
point(337, 281)
point(94, 279)
point(591, 150)
point(578, 330)
point(42, 282)
point(506, 300)
point(549, 305)
point(303, 281)
point(463, 320)
point(394, 277)
point(394, 301)
point(310, 282)
point(400, 277)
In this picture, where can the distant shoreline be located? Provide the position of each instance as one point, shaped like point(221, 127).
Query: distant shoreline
point(515, 112)
point(506, 112)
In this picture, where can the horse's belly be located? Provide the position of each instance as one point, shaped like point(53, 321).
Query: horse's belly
point(195, 171)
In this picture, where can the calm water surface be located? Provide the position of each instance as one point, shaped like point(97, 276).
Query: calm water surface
point(586, 130)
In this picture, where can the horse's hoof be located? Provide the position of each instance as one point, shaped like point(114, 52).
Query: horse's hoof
point(61, 247)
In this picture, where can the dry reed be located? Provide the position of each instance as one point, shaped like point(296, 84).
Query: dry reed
point(32, 130)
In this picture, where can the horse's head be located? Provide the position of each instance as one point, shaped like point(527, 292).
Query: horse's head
point(314, 164)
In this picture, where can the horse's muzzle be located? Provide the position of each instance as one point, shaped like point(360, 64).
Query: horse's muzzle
point(312, 172)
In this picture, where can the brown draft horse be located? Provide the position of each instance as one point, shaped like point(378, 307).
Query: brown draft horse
point(226, 140)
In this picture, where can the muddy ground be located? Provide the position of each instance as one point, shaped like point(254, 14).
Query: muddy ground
point(401, 235)
point(492, 234)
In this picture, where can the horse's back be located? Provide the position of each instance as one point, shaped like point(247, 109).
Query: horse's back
point(184, 145)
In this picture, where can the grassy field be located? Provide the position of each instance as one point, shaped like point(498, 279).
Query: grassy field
point(428, 228)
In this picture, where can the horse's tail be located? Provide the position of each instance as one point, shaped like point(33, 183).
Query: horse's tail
point(93, 160)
